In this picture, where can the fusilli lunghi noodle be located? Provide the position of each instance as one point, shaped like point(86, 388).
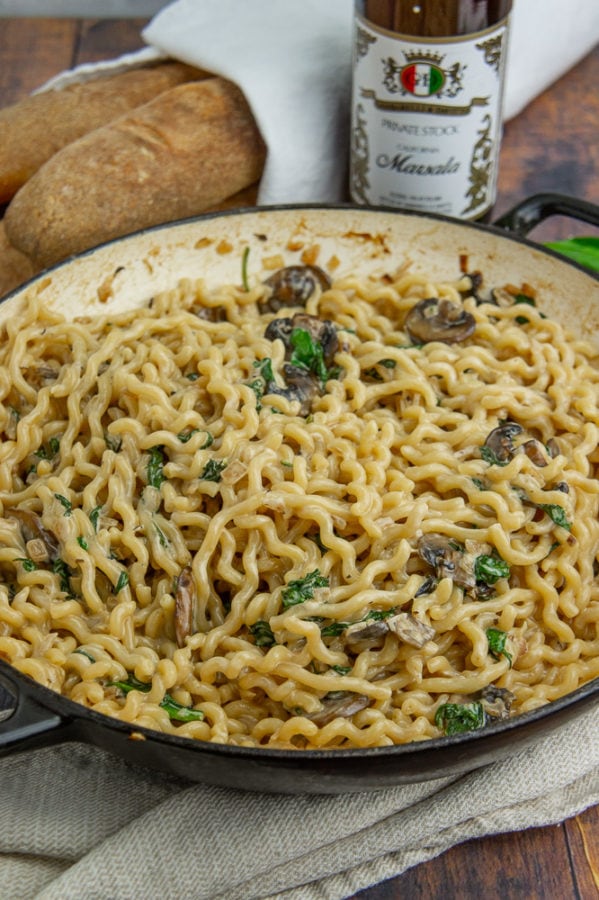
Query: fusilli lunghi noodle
point(299, 514)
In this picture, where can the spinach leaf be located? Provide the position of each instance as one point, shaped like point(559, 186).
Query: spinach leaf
point(175, 710)
point(94, 516)
point(302, 589)
point(265, 366)
point(68, 506)
point(456, 718)
point(334, 629)
point(213, 469)
point(184, 436)
point(113, 442)
point(49, 450)
point(496, 640)
point(529, 301)
point(337, 628)
point(489, 569)
point(556, 513)
point(82, 543)
point(308, 354)
point(133, 684)
point(60, 568)
point(155, 467)
point(491, 457)
point(262, 634)
point(180, 713)
point(28, 564)
point(122, 582)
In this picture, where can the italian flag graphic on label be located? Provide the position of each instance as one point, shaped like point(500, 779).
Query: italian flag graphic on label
point(422, 79)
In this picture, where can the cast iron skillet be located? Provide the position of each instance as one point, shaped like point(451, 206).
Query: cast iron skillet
point(35, 716)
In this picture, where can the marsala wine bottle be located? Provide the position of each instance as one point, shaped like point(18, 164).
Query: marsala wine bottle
point(427, 104)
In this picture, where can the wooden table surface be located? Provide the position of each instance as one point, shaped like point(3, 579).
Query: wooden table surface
point(551, 146)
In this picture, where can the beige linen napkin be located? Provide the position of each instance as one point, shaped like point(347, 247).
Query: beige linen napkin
point(78, 823)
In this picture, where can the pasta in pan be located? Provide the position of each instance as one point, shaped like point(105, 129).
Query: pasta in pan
point(299, 514)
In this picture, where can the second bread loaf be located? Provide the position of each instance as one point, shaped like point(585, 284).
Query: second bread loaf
point(184, 152)
point(35, 128)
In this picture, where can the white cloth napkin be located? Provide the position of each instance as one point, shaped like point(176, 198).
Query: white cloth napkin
point(77, 824)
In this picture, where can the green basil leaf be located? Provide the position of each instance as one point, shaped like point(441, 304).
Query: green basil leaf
point(583, 250)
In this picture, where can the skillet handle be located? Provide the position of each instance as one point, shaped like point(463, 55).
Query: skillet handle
point(29, 725)
point(523, 217)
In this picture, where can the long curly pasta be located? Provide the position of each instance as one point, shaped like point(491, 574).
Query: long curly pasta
point(188, 543)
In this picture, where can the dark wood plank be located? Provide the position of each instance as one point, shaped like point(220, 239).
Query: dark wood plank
point(102, 39)
point(31, 52)
point(533, 864)
point(582, 835)
point(552, 146)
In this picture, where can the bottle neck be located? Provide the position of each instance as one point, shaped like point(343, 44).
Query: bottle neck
point(434, 18)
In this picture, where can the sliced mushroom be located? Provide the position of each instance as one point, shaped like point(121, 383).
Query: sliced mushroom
point(371, 630)
point(293, 286)
point(410, 630)
point(447, 559)
point(475, 280)
point(428, 586)
point(496, 701)
point(553, 447)
point(301, 385)
point(185, 599)
point(501, 440)
point(212, 313)
point(45, 373)
point(341, 704)
point(280, 329)
point(439, 320)
point(535, 452)
point(33, 529)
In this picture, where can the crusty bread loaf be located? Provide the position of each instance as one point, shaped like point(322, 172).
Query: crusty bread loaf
point(184, 152)
point(15, 267)
point(35, 128)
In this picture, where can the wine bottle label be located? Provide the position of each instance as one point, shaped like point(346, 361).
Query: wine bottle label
point(426, 120)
